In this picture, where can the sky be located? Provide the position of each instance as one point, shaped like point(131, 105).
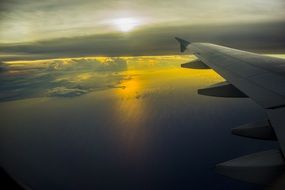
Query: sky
point(34, 29)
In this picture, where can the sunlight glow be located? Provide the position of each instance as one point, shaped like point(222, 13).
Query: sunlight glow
point(126, 24)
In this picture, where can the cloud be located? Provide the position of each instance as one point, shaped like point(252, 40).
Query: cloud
point(3, 67)
point(60, 78)
point(31, 20)
point(265, 37)
point(89, 64)
point(66, 92)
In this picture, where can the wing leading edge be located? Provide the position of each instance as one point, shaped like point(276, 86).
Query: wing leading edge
point(261, 78)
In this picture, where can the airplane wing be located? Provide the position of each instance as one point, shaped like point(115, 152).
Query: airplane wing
point(262, 79)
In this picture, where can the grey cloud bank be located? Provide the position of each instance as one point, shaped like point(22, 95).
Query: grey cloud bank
point(69, 28)
point(260, 37)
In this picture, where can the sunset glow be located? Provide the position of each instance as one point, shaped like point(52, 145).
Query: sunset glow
point(126, 24)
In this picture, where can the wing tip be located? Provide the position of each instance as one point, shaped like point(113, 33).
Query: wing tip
point(183, 43)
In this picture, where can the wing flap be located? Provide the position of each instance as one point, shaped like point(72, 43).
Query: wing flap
point(196, 64)
point(223, 89)
point(258, 130)
point(260, 168)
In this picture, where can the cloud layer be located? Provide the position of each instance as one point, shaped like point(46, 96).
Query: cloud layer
point(60, 78)
point(261, 37)
point(70, 28)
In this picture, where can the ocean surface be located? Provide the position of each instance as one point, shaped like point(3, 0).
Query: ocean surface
point(119, 123)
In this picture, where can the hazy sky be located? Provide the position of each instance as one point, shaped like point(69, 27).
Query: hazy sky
point(48, 23)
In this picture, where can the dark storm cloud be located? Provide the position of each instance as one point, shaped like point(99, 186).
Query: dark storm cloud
point(261, 37)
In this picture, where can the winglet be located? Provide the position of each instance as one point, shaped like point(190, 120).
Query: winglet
point(183, 44)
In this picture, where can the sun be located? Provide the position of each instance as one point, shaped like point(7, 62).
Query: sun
point(126, 24)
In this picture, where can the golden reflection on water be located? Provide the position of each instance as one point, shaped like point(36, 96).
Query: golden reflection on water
point(131, 86)
point(130, 114)
point(147, 81)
